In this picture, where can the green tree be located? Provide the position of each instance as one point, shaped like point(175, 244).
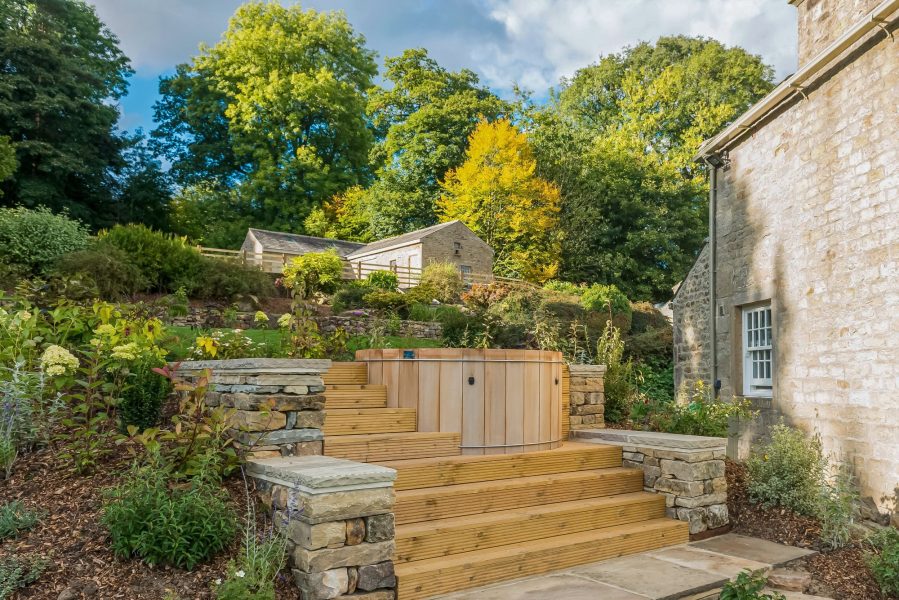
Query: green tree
point(62, 72)
point(423, 120)
point(343, 217)
point(619, 140)
point(496, 193)
point(8, 161)
point(276, 109)
point(144, 190)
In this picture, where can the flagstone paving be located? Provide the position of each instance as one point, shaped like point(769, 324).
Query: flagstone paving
point(695, 571)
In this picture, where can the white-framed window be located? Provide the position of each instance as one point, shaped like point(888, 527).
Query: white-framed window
point(758, 350)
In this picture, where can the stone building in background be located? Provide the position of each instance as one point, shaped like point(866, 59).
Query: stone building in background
point(795, 300)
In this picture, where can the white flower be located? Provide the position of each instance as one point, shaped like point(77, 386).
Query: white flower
point(56, 361)
point(260, 317)
point(218, 581)
point(240, 574)
point(127, 351)
point(285, 320)
point(25, 315)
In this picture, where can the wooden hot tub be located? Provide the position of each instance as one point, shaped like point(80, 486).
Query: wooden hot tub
point(501, 401)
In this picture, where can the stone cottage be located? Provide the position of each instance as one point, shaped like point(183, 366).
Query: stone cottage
point(794, 302)
point(408, 253)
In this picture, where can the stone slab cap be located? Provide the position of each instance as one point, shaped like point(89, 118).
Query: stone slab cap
point(588, 370)
point(321, 474)
point(260, 365)
point(654, 439)
point(281, 436)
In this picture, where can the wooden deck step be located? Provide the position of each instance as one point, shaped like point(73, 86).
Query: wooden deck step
point(446, 537)
point(427, 578)
point(379, 447)
point(352, 421)
point(355, 396)
point(431, 472)
point(346, 373)
point(425, 504)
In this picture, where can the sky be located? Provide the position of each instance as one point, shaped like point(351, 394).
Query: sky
point(531, 43)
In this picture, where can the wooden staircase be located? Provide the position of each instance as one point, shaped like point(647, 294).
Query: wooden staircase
point(468, 521)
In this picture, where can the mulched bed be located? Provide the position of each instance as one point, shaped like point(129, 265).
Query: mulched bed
point(840, 574)
point(71, 537)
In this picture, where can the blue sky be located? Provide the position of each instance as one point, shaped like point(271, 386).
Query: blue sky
point(527, 42)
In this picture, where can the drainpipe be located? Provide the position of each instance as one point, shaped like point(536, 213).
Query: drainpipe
point(713, 161)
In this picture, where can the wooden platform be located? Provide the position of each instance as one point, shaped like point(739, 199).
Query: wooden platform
point(469, 520)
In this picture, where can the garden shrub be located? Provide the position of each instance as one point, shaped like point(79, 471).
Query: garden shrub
point(656, 380)
point(144, 394)
point(350, 296)
point(883, 560)
point(652, 345)
point(837, 508)
point(456, 325)
point(565, 287)
point(608, 299)
point(105, 266)
point(312, 273)
point(422, 312)
point(697, 413)
point(481, 296)
point(18, 571)
point(227, 280)
point(252, 575)
point(165, 261)
point(15, 518)
point(788, 471)
point(33, 239)
point(422, 294)
point(385, 300)
point(444, 279)
point(383, 280)
point(620, 380)
point(646, 317)
point(180, 525)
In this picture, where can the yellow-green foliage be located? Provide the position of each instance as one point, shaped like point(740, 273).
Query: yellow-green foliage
point(788, 471)
point(443, 280)
point(312, 273)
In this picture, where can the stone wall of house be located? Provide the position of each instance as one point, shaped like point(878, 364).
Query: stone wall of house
point(277, 405)
point(587, 396)
point(473, 252)
point(354, 324)
point(692, 325)
point(338, 519)
point(687, 469)
point(823, 21)
point(808, 219)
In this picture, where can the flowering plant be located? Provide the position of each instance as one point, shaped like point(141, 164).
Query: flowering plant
point(57, 361)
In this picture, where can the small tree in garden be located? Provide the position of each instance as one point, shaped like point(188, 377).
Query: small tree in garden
point(443, 280)
point(316, 272)
point(621, 376)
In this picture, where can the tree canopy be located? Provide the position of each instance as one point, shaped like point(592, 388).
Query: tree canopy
point(62, 71)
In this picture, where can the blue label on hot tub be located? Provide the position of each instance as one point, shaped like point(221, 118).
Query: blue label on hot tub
point(408, 353)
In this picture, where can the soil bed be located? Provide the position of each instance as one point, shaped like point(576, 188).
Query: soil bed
point(840, 574)
point(71, 537)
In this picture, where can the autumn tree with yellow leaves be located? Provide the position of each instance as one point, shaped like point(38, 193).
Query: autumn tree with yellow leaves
point(497, 194)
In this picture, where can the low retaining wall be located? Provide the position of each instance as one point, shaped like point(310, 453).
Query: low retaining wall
point(338, 518)
point(278, 403)
point(361, 324)
point(587, 396)
point(687, 469)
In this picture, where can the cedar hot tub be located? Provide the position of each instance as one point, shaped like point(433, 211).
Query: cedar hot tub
point(501, 401)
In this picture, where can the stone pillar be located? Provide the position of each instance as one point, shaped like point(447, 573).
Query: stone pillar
point(687, 469)
point(587, 396)
point(338, 517)
point(276, 406)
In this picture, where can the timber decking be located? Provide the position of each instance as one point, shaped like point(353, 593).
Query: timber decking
point(430, 472)
point(381, 447)
point(456, 535)
point(426, 578)
point(466, 520)
point(425, 504)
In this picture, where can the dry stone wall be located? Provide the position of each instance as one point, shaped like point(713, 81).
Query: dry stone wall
point(692, 310)
point(338, 519)
point(687, 469)
point(587, 396)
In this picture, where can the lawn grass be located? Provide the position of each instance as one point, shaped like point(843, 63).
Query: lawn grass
point(179, 339)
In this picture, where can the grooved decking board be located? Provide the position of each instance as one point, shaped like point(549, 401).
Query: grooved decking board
point(392, 446)
point(346, 373)
point(369, 420)
point(427, 578)
point(445, 537)
point(475, 498)
point(432, 472)
point(355, 396)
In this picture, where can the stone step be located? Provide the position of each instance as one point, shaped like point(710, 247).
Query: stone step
point(346, 373)
point(444, 574)
point(433, 472)
point(425, 504)
point(355, 396)
point(352, 421)
point(445, 537)
point(379, 447)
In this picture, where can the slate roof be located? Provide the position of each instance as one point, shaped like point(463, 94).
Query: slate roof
point(292, 243)
point(402, 240)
